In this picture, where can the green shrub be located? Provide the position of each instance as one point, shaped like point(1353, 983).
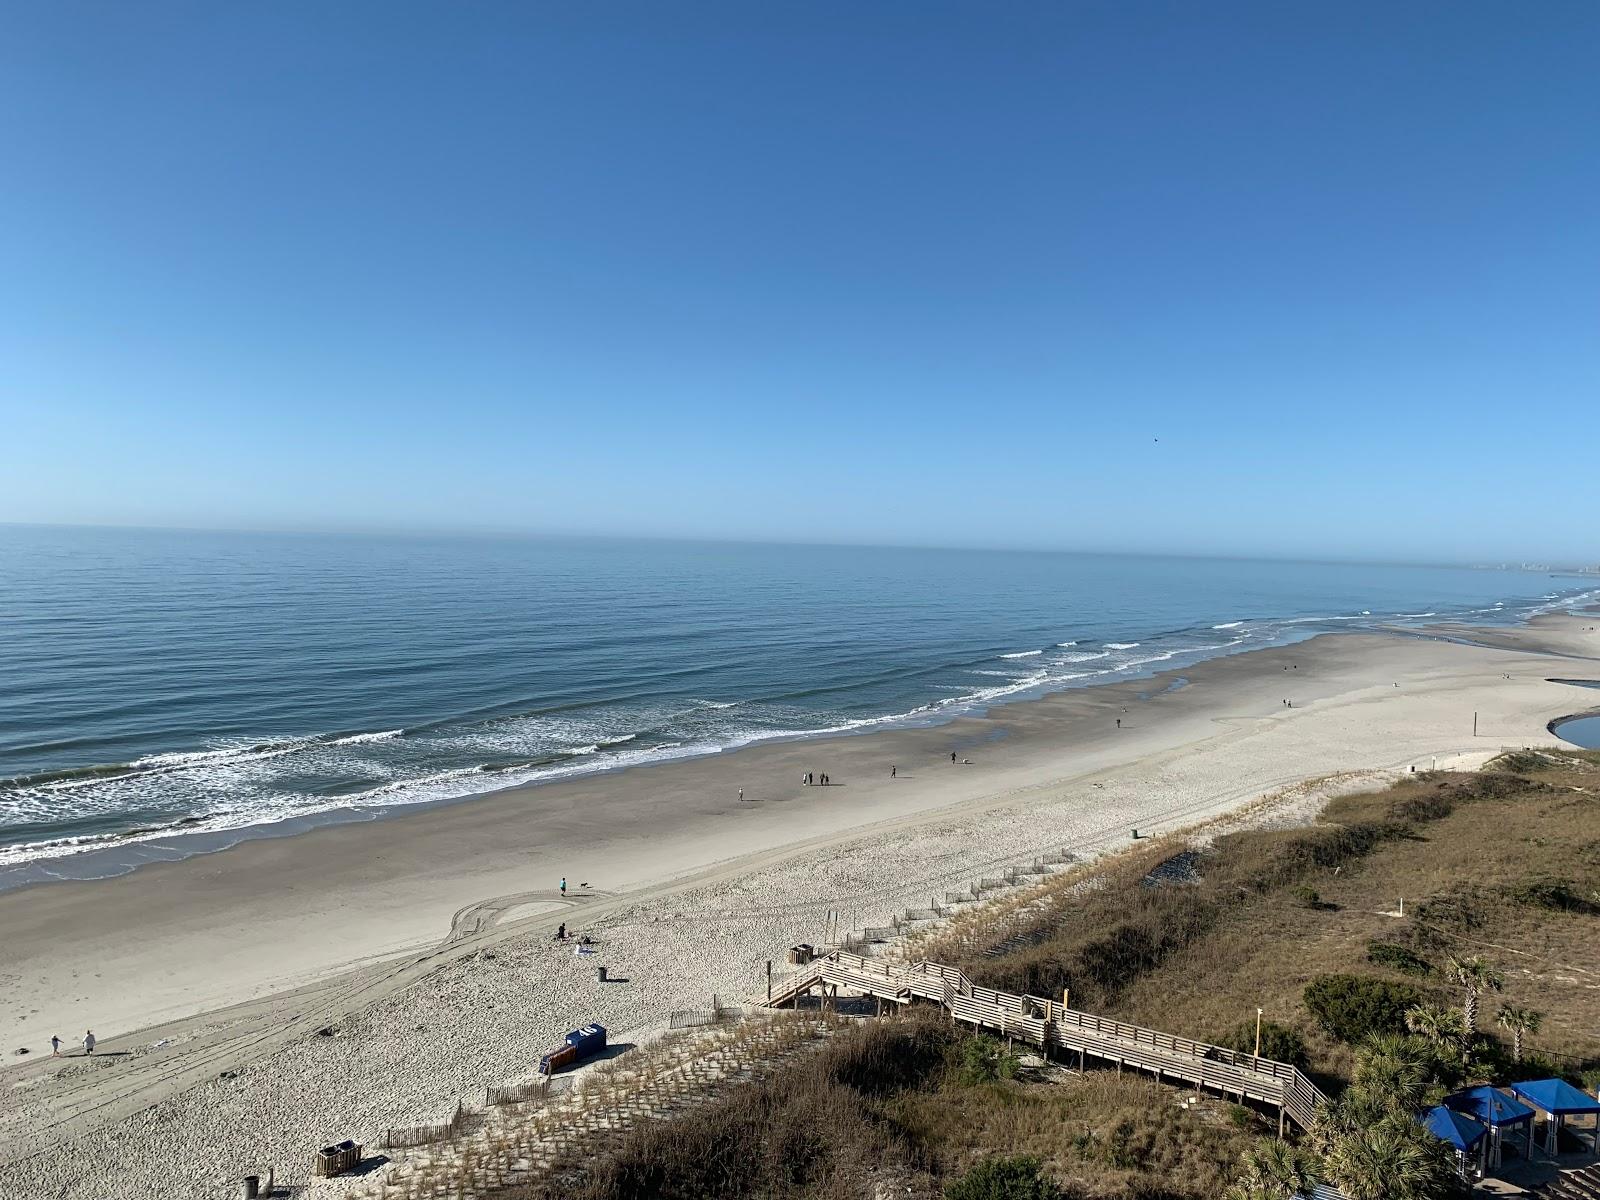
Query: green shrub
point(1522, 762)
point(1553, 895)
point(1004, 1178)
point(1353, 1007)
point(983, 1059)
point(1119, 1151)
point(1306, 897)
point(1398, 958)
point(1277, 1041)
point(1417, 809)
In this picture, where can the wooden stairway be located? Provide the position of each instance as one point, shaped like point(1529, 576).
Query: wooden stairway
point(1055, 1028)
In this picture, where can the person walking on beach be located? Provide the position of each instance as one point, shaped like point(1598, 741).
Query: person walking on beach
point(88, 1042)
point(563, 887)
point(55, 1046)
point(1119, 722)
point(561, 932)
point(891, 772)
point(741, 795)
point(952, 756)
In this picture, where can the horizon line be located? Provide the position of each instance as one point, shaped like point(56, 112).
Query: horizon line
point(469, 533)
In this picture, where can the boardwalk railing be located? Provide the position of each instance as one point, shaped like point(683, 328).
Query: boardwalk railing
point(1053, 1027)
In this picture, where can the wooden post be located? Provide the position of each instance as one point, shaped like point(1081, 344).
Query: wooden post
point(1280, 1122)
point(1066, 999)
point(769, 981)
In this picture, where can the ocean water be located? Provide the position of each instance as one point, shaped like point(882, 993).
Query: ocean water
point(158, 685)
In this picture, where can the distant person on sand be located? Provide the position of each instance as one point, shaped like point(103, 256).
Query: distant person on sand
point(1119, 722)
point(561, 932)
point(55, 1046)
point(952, 756)
point(88, 1042)
point(741, 795)
point(563, 886)
point(892, 771)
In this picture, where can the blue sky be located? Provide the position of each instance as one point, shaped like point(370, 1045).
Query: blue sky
point(894, 272)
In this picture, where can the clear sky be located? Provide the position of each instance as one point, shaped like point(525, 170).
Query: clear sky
point(891, 272)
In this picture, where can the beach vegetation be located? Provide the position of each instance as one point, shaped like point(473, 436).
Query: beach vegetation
point(1353, 1008)
point(1519, 1022)
point(984, 1059)
point(1554, 895)
point(1280, 1042)
point(1398, 958)
point(1005, 1177)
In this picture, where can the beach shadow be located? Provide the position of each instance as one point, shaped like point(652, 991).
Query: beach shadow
point(366, 1166)
point(618, 979)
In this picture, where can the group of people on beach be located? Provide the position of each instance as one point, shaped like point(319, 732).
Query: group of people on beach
point(811, 778)
point(88, 1044)
point(583, 943)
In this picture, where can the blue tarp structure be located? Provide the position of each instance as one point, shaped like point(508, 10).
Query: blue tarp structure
point(1490, 1106)
point(1557, 1096)
point(1460, 1130)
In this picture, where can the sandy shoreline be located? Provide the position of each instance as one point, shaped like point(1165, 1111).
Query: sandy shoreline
point(698, 888)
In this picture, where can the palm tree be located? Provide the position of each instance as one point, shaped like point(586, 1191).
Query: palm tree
point(1395, 1159)
point(1519, 1021)
point(1273, 1170)
point(1391, 1070)
point(1476, 976)
point(1442, 1027)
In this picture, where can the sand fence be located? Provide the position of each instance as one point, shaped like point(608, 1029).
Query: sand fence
point(523, 1139)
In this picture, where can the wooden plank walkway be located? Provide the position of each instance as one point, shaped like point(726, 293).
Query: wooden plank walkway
point(1055, 1028)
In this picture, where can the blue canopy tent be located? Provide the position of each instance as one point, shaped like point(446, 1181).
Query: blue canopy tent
point(1464, 1133)
point(1499, 1113)
point(1558, 1099)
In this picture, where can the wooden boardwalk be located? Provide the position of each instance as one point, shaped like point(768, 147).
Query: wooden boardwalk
point(1059, 1030)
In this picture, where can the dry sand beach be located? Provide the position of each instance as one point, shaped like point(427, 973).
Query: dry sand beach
point(421, 944)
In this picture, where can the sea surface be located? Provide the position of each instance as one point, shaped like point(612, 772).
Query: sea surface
point(163, 692)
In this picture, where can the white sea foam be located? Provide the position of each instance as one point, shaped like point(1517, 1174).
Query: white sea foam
point(244, 773)
point(357, 739)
